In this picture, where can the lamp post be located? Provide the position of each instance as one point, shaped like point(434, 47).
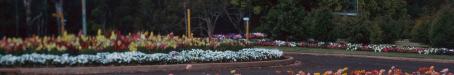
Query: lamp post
point(247, 27)
point(84, 18)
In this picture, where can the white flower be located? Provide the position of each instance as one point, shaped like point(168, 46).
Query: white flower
point(196, 55)
point(279, 43)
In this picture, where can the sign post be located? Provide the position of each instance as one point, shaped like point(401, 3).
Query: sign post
point(188, 32)
point(247, 27)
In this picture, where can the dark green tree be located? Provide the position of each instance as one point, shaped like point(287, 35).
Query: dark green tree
point(390, 15)
point(442, 28)
point(284, 21)
point(318, 24)
point(420, 32)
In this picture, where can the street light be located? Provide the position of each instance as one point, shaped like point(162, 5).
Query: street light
point(247, 26)
point(84, 18)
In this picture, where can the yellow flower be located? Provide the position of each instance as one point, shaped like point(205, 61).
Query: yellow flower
point(133, 47)
point(50, 46)
point(83, 38)
point(113, 36)
point(100, 37)
point(65, 36)
point(99, 32)
point(172, 44)
point(40, 47)
point(61, 48)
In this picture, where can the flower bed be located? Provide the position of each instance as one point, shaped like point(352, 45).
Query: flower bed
point(356, 47)
point(147, 42)
point(392, 71)
point(122, 58)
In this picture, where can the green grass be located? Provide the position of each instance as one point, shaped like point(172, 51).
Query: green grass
point(367, 53)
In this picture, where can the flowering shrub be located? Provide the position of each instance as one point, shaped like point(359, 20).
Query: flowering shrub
point(353, 47)
point(106, 58)
point(256, 35)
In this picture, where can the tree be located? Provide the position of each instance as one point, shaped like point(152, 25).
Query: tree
point(28, 14)
point(208, 14)
point(359, 31)
point(390, 15)
point(442, 27)
point(375, 33)
point(246, 8)
point(420, 32)
point(318, 24)
point(284, 21)
point(160, 16)
point(8, 16)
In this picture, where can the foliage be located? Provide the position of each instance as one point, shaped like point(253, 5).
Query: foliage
point(254, 6)
point(378, 21)
point(359, 32)
point(375, 33)
point(284, 21)
point(441, 29)
point(420, 32)
point(390, 15)
point(318, 24)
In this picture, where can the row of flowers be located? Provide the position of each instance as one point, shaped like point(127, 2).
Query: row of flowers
point(107, 42)
point(357, 47)
point(149, 42)
point(106, 58)
point(255, 35)
point(392, 48)
point(391, 71)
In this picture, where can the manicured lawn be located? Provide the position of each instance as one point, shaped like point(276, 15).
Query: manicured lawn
point(368, 53)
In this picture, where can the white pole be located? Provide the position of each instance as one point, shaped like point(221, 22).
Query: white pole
point(84, 18)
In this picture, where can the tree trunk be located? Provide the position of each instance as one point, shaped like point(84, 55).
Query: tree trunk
point(235, 21)
point(28, 15)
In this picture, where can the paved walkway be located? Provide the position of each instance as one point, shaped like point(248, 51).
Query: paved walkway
point(314, 63)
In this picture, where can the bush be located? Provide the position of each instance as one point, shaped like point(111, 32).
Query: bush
point(442, 28)
point(284, 21)
point(359, 32)
point(420, 32)
point(319, 24)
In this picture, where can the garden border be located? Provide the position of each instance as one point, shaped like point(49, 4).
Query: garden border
point(144, 68)
point(379, 57)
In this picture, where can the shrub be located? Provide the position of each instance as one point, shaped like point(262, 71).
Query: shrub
point(442, 28)
point(284, 21)
point(420, 32)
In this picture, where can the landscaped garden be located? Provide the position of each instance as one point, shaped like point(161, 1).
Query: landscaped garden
point(257, 37)
point(137, 48)
point(146, 48)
